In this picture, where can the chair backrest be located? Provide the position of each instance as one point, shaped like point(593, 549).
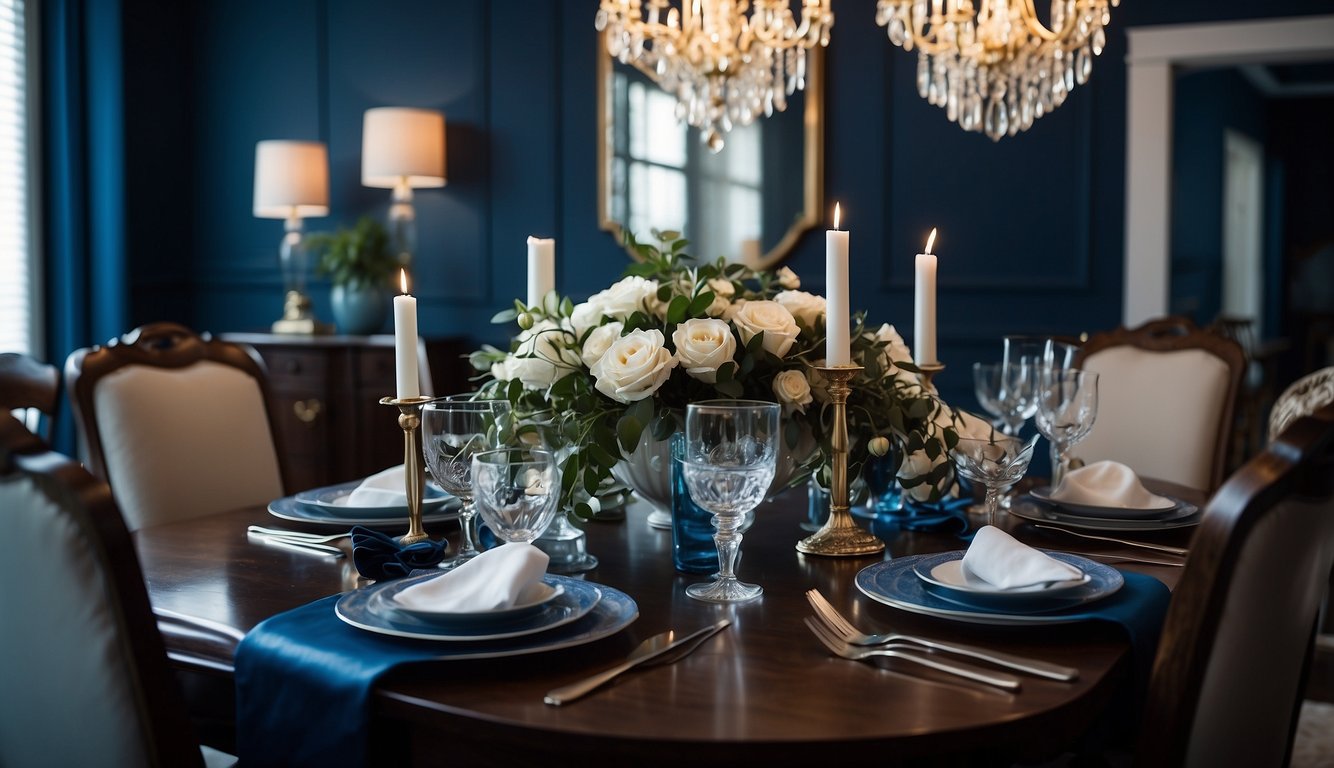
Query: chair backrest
point(85, 670)
point(179, 424)
point(31, 385)
point(1228, 677)
point(1166, 394)
point(1302, 397)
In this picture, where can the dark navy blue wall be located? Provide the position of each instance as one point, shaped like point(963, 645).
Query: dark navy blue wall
point(1030, 229)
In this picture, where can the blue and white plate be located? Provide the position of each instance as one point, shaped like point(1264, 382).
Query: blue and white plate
point(1101, 511)
point(568, 606)
point(333, 499)
point(946, 575)
point(614, 612)
point(288, 508)
point(1184, 515)
point(495, 617)
point(896, 583)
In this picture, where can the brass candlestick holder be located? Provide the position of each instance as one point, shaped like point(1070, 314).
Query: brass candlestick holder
point(929, 372)
point(840, 536)
point(414, 466)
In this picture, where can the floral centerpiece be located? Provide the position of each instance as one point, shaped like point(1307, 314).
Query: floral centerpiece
point(671, 332)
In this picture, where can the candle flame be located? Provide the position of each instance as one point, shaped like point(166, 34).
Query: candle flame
point(836, 215)
point(403, 279)
point(930, 241)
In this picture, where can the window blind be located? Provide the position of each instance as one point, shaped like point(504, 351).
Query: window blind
point(17, 289)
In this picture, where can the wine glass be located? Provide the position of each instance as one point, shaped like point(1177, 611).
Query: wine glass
point(565, 543)
point(1067, 407)
point(997, 462)
point(730, 459)
point(1008, 390)
point(453, 429)
point(516, 491)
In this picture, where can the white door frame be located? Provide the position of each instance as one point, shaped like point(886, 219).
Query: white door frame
point(1152, 55)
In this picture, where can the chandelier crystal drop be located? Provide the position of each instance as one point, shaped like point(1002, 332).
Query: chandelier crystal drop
point(996, 67)
point(726, 67)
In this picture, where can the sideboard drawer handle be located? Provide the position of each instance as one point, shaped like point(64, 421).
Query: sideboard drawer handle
point(307, 410)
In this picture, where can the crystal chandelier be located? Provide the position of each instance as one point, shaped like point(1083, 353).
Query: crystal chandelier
point(725, 67)
point(997, 68)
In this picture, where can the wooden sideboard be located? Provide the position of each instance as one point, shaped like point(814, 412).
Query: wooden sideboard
point(327, 392)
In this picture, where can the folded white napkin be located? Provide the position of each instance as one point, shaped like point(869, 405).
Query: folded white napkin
point(387, 488)
point(503, 577)
point(1107, 484)
point(999, 559)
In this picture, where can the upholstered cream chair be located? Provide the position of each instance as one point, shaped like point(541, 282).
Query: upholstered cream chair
point(177, 423)
point(1227, 679)
point(1302, 397)
point(1166, 394)
point(85, 672)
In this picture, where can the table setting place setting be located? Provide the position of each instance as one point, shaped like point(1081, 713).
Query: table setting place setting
point(996, 581)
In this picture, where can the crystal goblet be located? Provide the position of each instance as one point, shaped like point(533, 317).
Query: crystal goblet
point(730, 459)
point(453, 429)
point(516, 490)
point(997, 462)
point(1067, 407)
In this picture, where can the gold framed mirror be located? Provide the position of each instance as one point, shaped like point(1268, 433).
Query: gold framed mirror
point(749, 202)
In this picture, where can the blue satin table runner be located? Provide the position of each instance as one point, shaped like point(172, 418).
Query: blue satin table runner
point(303, 684)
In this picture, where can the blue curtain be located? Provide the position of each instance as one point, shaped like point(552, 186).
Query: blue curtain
point(84, 181)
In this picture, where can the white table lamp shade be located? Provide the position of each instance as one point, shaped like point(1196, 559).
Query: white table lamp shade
point(401, 143)
point(291, 177)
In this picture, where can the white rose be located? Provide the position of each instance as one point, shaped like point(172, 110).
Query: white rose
point(634, 366)
point(542, 356)
point(806, 307)
point(730, 311)
point(586, 315)
point(915, 465)
point(896, 349)
point(788, 279)
point(792, 390)
point(599, 341)
point(819, 385)
point(627, 296)
point(779, 328)
point(721, 286)
point(702, 346)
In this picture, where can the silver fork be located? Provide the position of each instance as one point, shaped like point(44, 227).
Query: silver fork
point(901, 651)
point(843, 629)
point(312, 538)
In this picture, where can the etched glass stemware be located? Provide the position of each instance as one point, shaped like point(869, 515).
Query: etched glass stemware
point(516, 491)
point(997, 462)
point(730, 459)
point(453, 429)
point(1067, 407)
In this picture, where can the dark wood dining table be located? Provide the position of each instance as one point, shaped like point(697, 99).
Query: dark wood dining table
point(762, 690)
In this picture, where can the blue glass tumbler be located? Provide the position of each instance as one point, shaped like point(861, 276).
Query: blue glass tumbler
point(693, 550)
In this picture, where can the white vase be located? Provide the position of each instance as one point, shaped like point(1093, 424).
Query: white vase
point(648, 472)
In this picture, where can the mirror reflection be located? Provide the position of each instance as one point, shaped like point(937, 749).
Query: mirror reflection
point(749, 201)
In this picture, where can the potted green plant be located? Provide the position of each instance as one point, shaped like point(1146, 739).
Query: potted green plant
point(360, 263)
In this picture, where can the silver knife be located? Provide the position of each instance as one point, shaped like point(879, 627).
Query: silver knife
point(568, 693)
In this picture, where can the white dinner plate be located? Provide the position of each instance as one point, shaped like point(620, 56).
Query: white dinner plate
point(334, 500)
point(1043, 493)
point(288, 508)
point(1184, 516)
point(895, 583)
point(614, 612)
point(946, 571)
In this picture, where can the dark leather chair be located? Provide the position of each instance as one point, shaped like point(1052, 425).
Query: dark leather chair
point(85, 669)
point(1228, 678)
point(31, 385)
point(166, 414)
